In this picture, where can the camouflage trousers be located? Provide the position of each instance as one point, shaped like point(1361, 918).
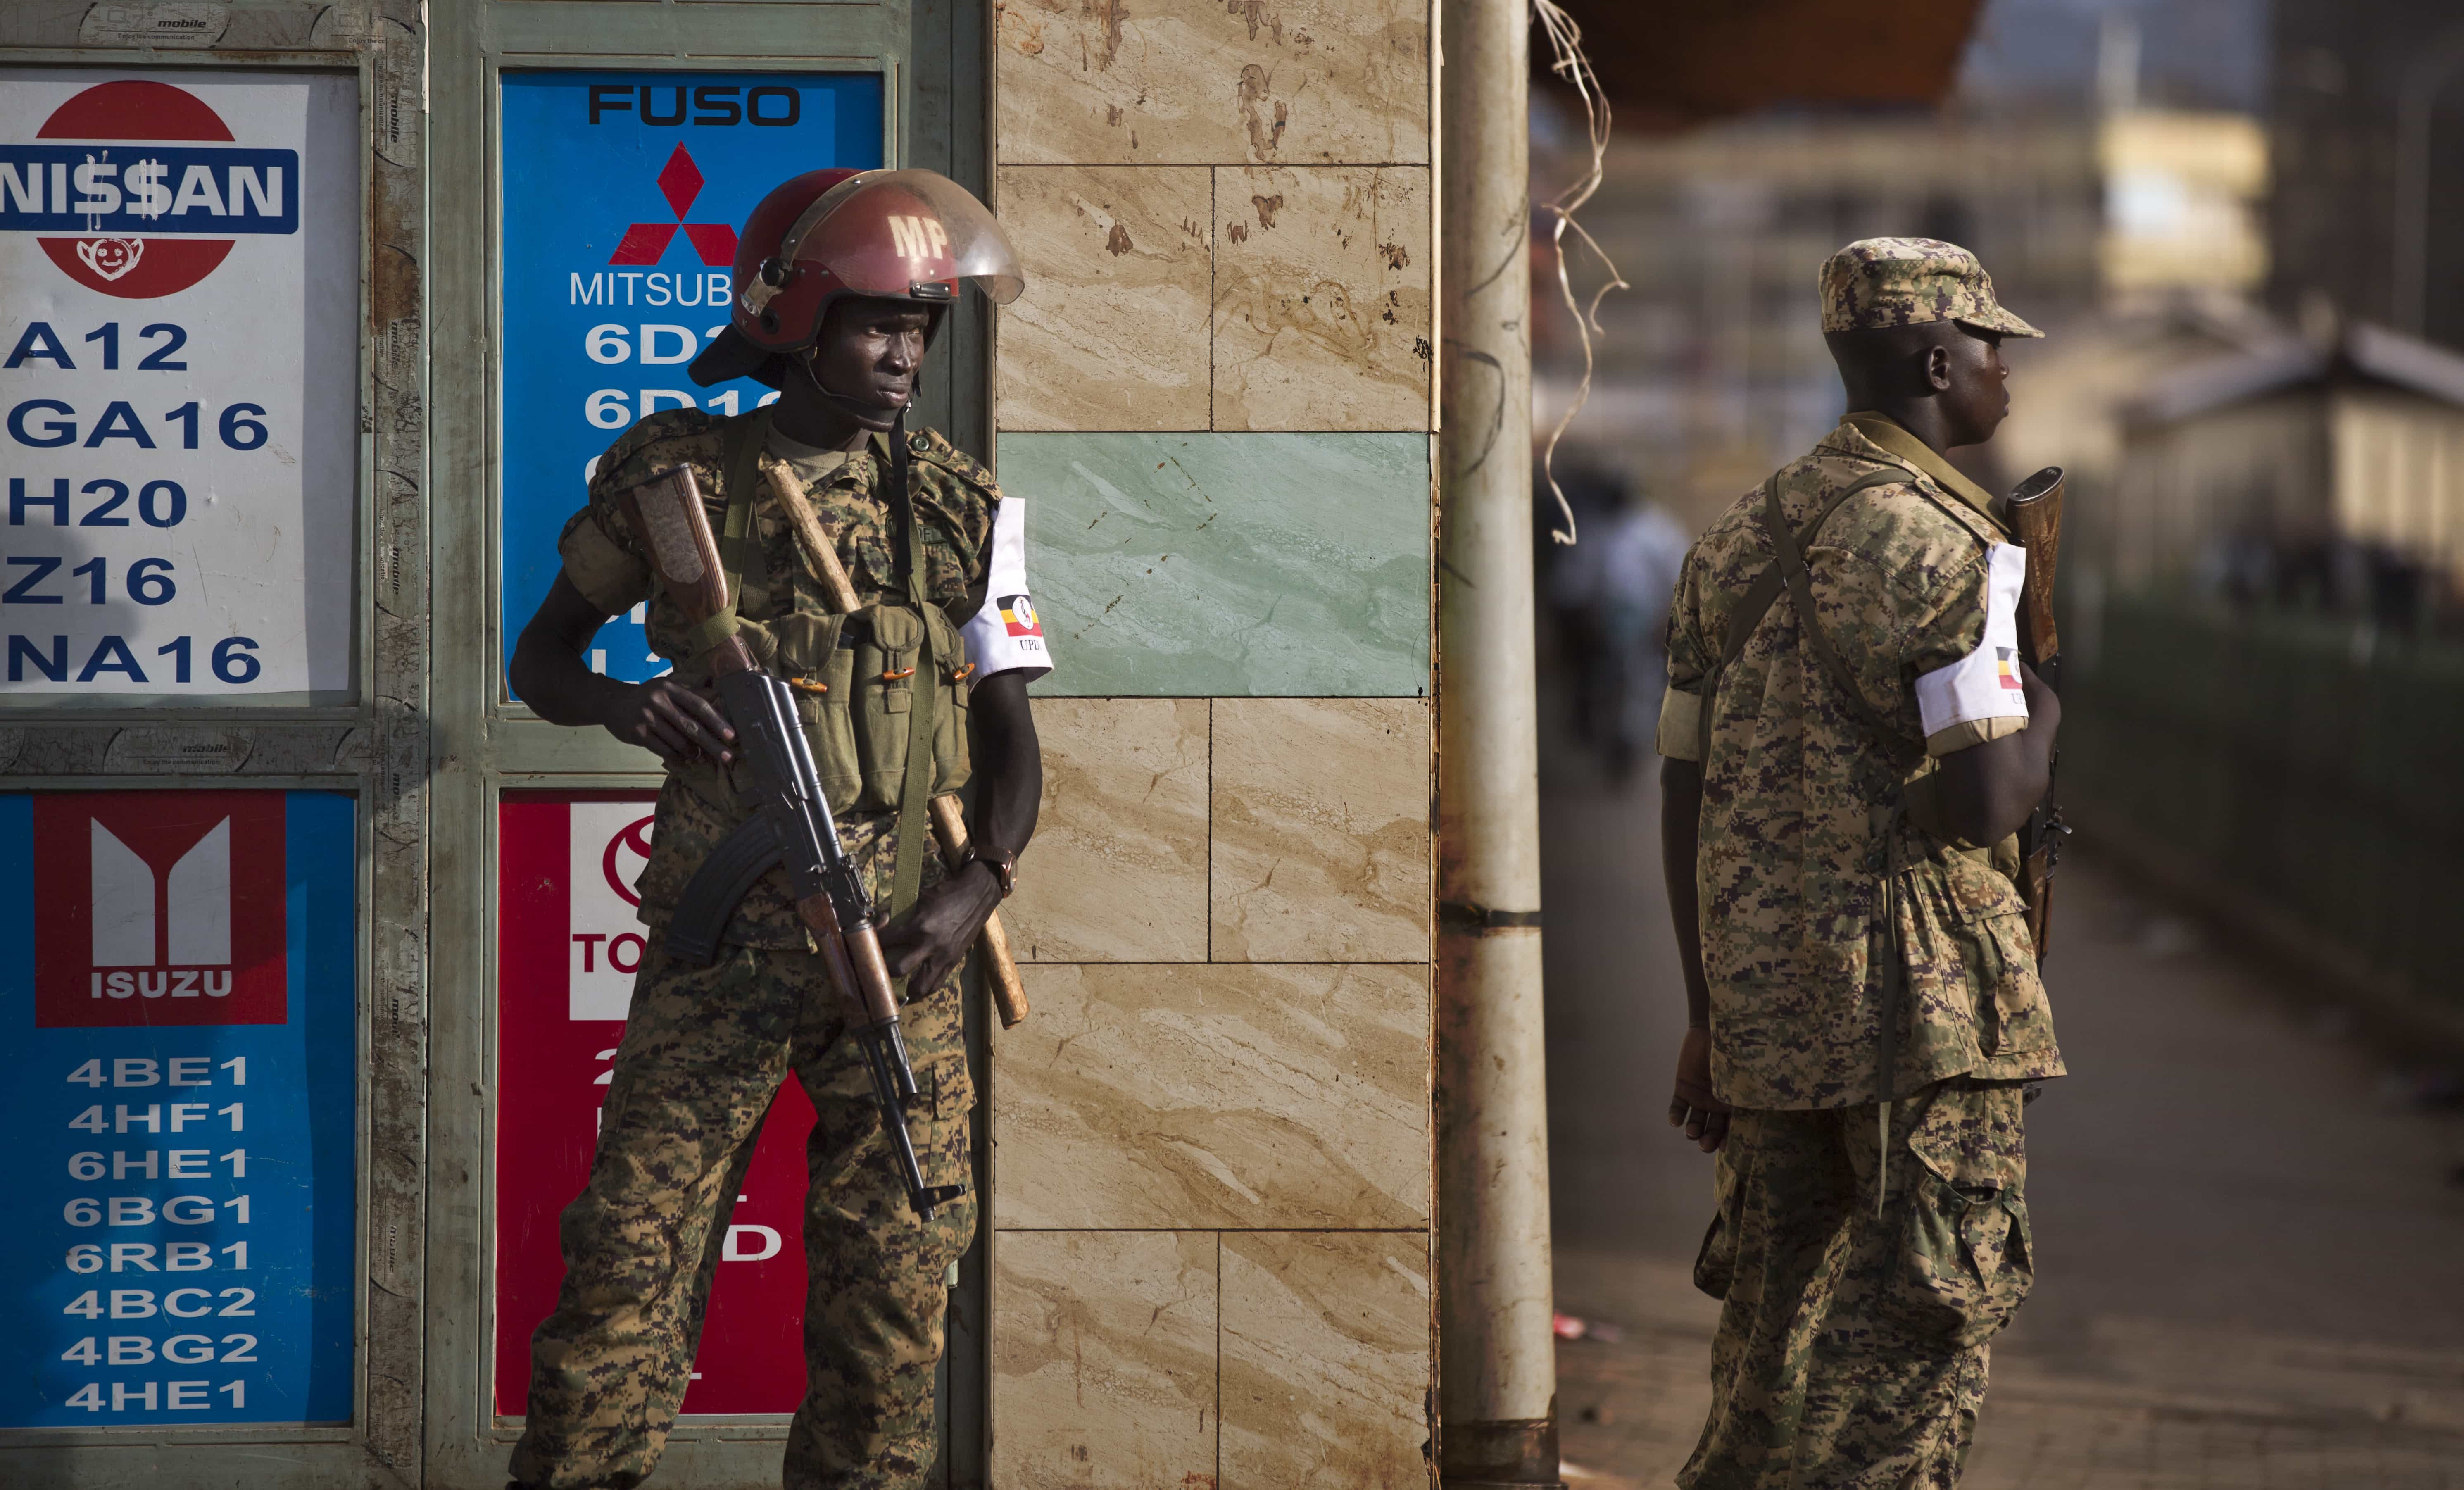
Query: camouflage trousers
point(703, 1053)
point(1852, 1347)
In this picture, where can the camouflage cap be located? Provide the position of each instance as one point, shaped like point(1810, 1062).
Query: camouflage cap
point(1908, 281)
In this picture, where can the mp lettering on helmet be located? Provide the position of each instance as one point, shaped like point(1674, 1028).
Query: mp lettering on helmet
point(145, 188)
point(918, 237)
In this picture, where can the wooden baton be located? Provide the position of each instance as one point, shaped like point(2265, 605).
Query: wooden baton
point(949, 824)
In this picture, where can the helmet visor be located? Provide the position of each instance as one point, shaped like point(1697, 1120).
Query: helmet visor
point(890, 232)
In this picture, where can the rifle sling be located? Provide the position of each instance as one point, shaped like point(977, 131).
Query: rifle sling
point(739, 544)
point(907, 877)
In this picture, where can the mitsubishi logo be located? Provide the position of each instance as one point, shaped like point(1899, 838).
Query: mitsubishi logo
point(680, 181)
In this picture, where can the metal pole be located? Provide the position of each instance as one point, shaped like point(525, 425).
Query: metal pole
point(2415, 113)
point(1498, 1385)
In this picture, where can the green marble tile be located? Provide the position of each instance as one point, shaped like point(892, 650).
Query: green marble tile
point(1228, 565)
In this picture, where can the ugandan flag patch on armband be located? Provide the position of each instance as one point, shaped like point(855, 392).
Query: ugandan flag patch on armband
point(1018, 616)
point(2007, 667)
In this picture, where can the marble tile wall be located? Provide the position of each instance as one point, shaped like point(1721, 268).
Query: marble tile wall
point(1119, 861)
point(1262, 167)
point(1219, 1095)
point(1205, 565)
point(1325, 1360)
point(1104, 1360)
point(1113, 333)
point(1322, 298)
point(1211, 1192)
point(1321, 841)
point(1174, 81)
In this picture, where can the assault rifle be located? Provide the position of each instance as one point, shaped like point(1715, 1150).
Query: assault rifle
point(791, 829)
point(2035, 516)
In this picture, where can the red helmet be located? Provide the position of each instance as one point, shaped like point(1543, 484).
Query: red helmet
point(903, 235)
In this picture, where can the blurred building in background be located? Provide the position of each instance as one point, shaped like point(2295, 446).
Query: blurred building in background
point(2325, 477)
point(2368, 105)
point(2091, 209)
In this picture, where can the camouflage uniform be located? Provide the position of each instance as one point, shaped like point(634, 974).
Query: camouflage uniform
point(705, 1048)
point(1851, 1349)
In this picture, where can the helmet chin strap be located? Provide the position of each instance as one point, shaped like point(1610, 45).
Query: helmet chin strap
point(868, 415)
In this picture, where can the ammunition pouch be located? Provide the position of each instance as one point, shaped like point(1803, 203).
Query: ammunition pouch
point(854, 676)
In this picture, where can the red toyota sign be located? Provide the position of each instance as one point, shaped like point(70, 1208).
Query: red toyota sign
point(567, 947)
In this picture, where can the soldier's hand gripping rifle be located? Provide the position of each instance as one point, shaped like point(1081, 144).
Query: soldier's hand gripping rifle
point(2035, 516)
point(790, 829)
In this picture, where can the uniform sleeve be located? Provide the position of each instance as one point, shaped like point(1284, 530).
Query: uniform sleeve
point(1963, 654)
point(1006, 636)
point(1689, 661)
point(609, 574)
point(598, 553)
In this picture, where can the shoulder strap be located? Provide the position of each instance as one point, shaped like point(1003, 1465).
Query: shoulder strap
point(740, 553)
point(906, 876)
point(1801, 593)
point(1757, 599)
point(739, 549)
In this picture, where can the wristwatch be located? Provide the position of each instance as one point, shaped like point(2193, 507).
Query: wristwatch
point(1001, 862)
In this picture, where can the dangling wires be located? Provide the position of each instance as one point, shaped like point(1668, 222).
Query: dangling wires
point(1566, 41)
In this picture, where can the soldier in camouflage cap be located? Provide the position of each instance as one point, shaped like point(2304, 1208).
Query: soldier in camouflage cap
point(1851, 743)
point(841, 280)
point(1879, 282)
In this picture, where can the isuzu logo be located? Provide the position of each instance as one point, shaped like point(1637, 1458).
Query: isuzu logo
point(159, 907)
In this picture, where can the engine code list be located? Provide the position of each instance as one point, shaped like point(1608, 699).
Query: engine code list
point(182, 1249)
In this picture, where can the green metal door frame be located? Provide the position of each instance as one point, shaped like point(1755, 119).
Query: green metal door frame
point(932, 56)
point(373, 745)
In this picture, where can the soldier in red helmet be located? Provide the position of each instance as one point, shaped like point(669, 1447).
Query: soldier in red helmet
point(841, 278)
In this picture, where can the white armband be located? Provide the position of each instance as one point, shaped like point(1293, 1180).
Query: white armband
point(1006, 636)
point(1983, 686)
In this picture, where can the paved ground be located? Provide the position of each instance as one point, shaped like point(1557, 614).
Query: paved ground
point(2251, 1245)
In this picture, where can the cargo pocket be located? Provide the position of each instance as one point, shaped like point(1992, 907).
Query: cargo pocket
point(2015, 1019)
point(950, 765)
point(817, 656)
point(1987, 927)
point(1715, 1262)
point(1963, 1260)
point(888, 644)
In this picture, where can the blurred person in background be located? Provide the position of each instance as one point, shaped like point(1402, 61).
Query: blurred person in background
point(1851, 742)
point(1609, 592)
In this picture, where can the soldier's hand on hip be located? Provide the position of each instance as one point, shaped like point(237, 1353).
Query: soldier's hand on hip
point(1696, 1107)
point(671, 719)
point(933, 936)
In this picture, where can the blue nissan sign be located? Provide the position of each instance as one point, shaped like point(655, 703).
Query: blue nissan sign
point(622, 195)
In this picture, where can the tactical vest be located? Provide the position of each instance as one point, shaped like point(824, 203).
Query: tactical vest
point(874, 732)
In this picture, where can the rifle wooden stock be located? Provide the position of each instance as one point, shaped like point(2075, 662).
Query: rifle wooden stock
point(1009, 993)
point(2035, 516)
